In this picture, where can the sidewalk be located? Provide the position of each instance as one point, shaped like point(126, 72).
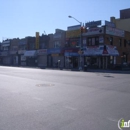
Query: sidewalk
point(89, 70)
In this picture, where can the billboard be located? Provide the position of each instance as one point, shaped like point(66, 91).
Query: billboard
point(37, 40)
point(76, 27)
point(115, 31)
point(110, 24)
point(93, 23)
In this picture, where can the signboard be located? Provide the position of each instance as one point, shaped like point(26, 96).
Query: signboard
point(42, 51)
point(4, 53)
point(76, 27)
point(94, 31)
point(110, 24)
point(99, 50)
point(54, 50)
point(73, 33)
point(93, 23)
point(37, 40)
point(115, 31)
point(30, 53)
point(13, 52)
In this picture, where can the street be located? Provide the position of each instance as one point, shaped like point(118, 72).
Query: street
point(43, 99)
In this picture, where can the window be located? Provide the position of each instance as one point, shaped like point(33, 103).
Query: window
point(93, 41)
point(57, 44)
point(96, 40)
point(124, 43)
point(120, 42)
point(89, 41)
point(111, 40)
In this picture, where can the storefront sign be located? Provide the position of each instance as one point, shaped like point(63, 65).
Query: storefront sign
point(42, 51)
point(71, 54)
point(30, 53)
point(93, 23)
point(54, 50)
point(54, 54)
point(100, 50)
point(94, 31)
point(115, 31)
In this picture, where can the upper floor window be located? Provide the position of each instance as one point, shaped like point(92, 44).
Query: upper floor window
point(125, 43)
point(57, 44)
point(120, 42)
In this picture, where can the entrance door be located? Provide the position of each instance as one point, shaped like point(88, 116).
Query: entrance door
point(75, 62)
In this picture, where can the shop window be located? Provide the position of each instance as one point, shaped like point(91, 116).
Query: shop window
point(124, 43)
point(120, 42)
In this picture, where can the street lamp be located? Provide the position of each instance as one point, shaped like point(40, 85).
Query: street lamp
point(80, 67)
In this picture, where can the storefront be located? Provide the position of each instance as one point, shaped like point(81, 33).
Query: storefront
point(5, 58)
point(14, 58)
point(72, 58)
point(31, 57)
point(21, 58)
point(42, 57)
point(55, 57)
point(100, 56)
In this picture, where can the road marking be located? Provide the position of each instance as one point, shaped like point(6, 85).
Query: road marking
point(71, 108)
point(36, 98)
point(111, 119)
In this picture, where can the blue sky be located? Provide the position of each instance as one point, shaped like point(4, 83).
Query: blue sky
point(20, 18)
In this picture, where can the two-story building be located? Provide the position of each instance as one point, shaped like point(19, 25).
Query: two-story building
point(5, 56)
point(55, 50)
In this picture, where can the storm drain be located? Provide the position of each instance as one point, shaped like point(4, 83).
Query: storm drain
point(44, 85)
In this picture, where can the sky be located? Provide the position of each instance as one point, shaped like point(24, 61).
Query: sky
point(21, 18)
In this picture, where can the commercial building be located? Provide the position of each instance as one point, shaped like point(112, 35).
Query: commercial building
point(124, 21)
point(55, 49)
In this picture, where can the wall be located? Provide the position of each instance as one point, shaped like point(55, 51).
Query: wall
point(121, 23)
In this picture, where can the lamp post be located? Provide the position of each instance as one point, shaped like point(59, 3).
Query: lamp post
point(80, 67)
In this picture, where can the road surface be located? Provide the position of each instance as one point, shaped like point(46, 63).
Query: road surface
point(40, 99)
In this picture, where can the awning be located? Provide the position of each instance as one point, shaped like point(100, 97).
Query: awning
point(5, 44)
point(71, 54)
point(108, 50)
point(30, 53)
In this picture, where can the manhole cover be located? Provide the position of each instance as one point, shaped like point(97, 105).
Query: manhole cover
point(44, 85)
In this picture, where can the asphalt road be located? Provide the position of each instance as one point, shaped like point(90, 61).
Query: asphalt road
point(39, 99)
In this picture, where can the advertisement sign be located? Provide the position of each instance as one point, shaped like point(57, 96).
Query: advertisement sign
point(93, 23)
point(42, 51)
point(73, 33)
point(4, 53)
point(37, 40)
point(76, 27)
point(115, 31)
point(110, 24)
point(94, 31)
point(101, 51)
